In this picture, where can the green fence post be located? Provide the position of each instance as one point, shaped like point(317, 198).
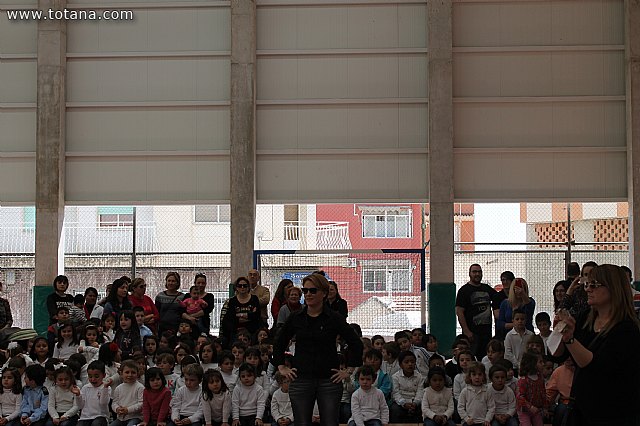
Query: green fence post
point(39, 308)
point(442, 314)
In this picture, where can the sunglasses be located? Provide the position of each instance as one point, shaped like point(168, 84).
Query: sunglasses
point(593, 285)
point(242, 285)
point(312, 290)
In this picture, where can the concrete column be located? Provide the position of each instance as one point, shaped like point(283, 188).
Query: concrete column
point(441, 288)
point(243, 134)
point(50, 142)
point(632, 56)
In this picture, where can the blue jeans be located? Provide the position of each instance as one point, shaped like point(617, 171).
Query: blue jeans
point(132, 422)
point(98, 421)
point(69, 422)
point(372, 422)
point(171, 423)
point(304, 392)
point(345, 412)
point(429, 422)
point(511, 422)
point(398, 414)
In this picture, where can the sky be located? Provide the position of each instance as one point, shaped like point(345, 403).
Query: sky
point(499, 222)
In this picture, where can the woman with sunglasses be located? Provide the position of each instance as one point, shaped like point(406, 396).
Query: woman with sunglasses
point(139, 298)
point(603, 342)
point(316, 374)
point(240, 311)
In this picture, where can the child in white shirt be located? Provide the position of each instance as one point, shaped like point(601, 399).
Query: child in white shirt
point(281, 403)
point(216, 399)
point(187, 401)
point(503, 396)
point(437, 402)
point(476, 404)
point(248, 399)
point(10, 396)
point(368, 404)
point(127, 397)
point(93, 398)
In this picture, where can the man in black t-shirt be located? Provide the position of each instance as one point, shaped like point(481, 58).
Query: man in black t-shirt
point(475, 306)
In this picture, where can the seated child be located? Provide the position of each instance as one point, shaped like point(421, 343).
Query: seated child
point(476, 405)
point(35, 397)
point(368, 404)
point(93, 398)
point(543, 322)
point(407, 390)
point(186, 402)
point(495, 352)
point(503, 396)
point(437, 402)
point(127, 397)
point(281, 403)
point(248, 400)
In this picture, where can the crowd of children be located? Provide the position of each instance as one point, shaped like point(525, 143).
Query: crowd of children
point(117, 372)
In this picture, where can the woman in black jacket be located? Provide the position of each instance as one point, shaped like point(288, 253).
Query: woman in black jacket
point(316, 373)
point(336, 302)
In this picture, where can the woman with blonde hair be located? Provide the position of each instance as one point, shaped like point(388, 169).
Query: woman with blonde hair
point(518, 299)
point(603, 342)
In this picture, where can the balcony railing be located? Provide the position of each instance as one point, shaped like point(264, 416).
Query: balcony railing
point(328, 235)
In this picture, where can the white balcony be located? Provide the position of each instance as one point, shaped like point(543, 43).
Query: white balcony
point(328, 236)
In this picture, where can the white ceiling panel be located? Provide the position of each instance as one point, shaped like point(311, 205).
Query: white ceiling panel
point(21, 174)
point(18, 81)
point(520, 125)
point(18, 130)
point(543, 176)
point(17, 36)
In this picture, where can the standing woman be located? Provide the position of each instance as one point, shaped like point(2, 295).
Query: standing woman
point(240, 311)
point(202, 318)
point(603, 342)
point(139, 298)
point(316, 374)
point(168, 304)
point(518, 299)
point(117, 300)
point(280, 298)
point(336, 302)
point(91, 307)
point(6, 319)
point(59, 297)
point(294, 294)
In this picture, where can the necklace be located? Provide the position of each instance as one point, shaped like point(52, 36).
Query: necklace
point(598, 327)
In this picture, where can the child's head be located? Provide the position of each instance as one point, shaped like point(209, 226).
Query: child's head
point(127, 319)
point(498, 376)
point(154, 379)
point(244, 336)
point(75, 364)
point(212, 383)
point(129, 371)
point(39, 349)
point(403, 340)
point(138, 313)
point(181, 351)
point(531, 363)
point(377, 342)
point(35, 375)
point(62, 314)
point(168, 340)
point(535, 344)
point(64, 378)
point(166, 362)
point(227, 360)
point(508, 365)
point(150, 344)
point(283, 381)
point(11, 381)
point(548, 367)
point(430, 342)
point(436, 361)
point(373, 358)
point(436, 378)
point(543, 322)
point(96, 372)
point(253, 356)
point(194, 292)
point(185, 327)
point(260, 336)
point(465, 357)
point(247, 374)
point(90, 334)
point(109, 353)
point(109, 322)
point(476, 374)
point(416, 336)
point(18, 362)
point(519, 320)
point(390, 351)
point(141, 362)
point(192, 374)
point(407, 362)
point(365, 377)
point(78, 300)
point(207, 353)
point(67, 334)
point(238, 349)
point(495, 350)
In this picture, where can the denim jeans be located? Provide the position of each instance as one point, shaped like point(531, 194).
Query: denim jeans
point(98, 421)
point(69, 422)
point(372, 422)
point(398, 414)
point(171, 423)
point(345, 412)
point(429, 422)
point(304, 392)
point(132, 422)
point(511, 422)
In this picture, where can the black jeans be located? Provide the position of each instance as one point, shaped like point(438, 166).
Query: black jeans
point(304, 392)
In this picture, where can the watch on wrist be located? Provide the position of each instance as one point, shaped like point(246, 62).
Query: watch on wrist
point(569, 341)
